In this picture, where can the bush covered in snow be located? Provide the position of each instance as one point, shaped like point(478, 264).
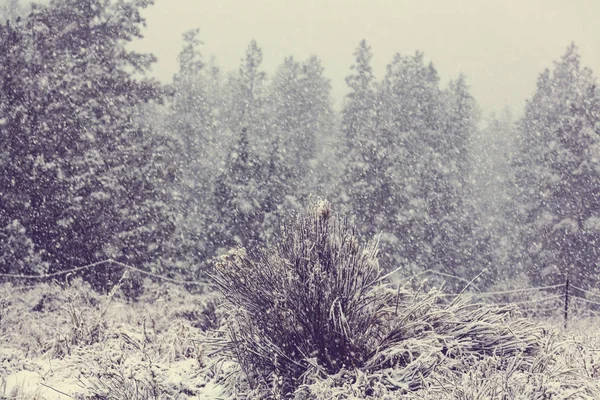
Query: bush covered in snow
point(312, 318)
point(310, 302)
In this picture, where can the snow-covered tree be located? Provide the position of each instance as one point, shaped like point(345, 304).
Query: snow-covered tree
point(195, 108)
point(408, 122)
point(81, 172)
point(238, 199)
point(245, 101)
point(493, 193)
point(237, 207)
point(193, 117)
point(464, 240)
point(286, 126)
point(558, 174)
point(18, 255)
point(491, 150)
point(360, 107)
point(365, 180)
point(301, 117)
point(407, 165)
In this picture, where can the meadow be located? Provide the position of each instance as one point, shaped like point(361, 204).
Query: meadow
point(312, 318)
point(65, 342)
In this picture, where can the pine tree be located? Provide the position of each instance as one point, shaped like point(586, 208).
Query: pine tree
point(284, 102)
point(193, 117)
point(558, 173)
point(314, 109)
point(194, 110)
point(409, 121)
point(191, 113)
point(238, 199)
point(237, 205)
point(408, 165)
point(86, 178)
point(492, 149)
point(410, 96)
point(493, 194)
point(278, 192)
point(365, 177)
point(360, 108)
point(464, 241)
point(301, 118)
point(246, 101)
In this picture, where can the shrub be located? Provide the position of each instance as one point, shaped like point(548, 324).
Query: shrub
point(311, 317)
point(312, 301)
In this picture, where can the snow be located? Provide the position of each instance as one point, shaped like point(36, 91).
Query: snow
point(45, 383)
point(98, 163)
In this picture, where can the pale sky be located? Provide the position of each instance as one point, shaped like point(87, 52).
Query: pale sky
point(500, 45)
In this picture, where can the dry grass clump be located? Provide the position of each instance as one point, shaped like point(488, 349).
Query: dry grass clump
point(310, 302)
point(48, 320)
point(560, 370)
point(311, 318)
point(466, 351)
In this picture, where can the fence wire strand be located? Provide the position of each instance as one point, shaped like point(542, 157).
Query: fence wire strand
point(583, 311)
point(64, 272)
point(530, 301)
point(585, 300)
point(109, 261)
point(585, 291)
point(482, 294)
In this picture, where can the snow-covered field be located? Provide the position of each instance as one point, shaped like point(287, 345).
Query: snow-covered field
point(73, 343)
point(64, 343)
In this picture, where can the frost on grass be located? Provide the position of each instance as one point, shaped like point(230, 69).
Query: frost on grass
point(310, 318)
point(93, 346)
point(419, 345)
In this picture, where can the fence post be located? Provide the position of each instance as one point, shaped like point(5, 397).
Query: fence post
point(566, 302)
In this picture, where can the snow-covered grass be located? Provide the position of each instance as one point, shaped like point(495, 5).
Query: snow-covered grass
point(309, 318)
point(57, 342)
point(69, 342)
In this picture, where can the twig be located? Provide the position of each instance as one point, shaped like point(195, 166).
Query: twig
point(471, 282)
point(56, 390)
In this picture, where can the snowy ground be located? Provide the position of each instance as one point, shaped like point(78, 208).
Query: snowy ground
point(73, 343)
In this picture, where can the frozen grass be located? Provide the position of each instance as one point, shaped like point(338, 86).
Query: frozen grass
point(308, 319)
point(311, 319)
point(157, 348)
point(467, 351)
point(74, 341)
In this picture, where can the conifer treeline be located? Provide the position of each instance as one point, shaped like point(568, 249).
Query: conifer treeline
point(96, 162)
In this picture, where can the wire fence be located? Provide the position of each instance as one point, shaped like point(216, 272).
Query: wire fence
point(569, 300)
point(564, 293)
point(110, 262)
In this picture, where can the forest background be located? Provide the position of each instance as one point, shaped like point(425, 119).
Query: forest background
point(99, 161)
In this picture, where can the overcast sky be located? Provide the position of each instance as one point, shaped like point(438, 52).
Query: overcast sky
point(500, 45)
